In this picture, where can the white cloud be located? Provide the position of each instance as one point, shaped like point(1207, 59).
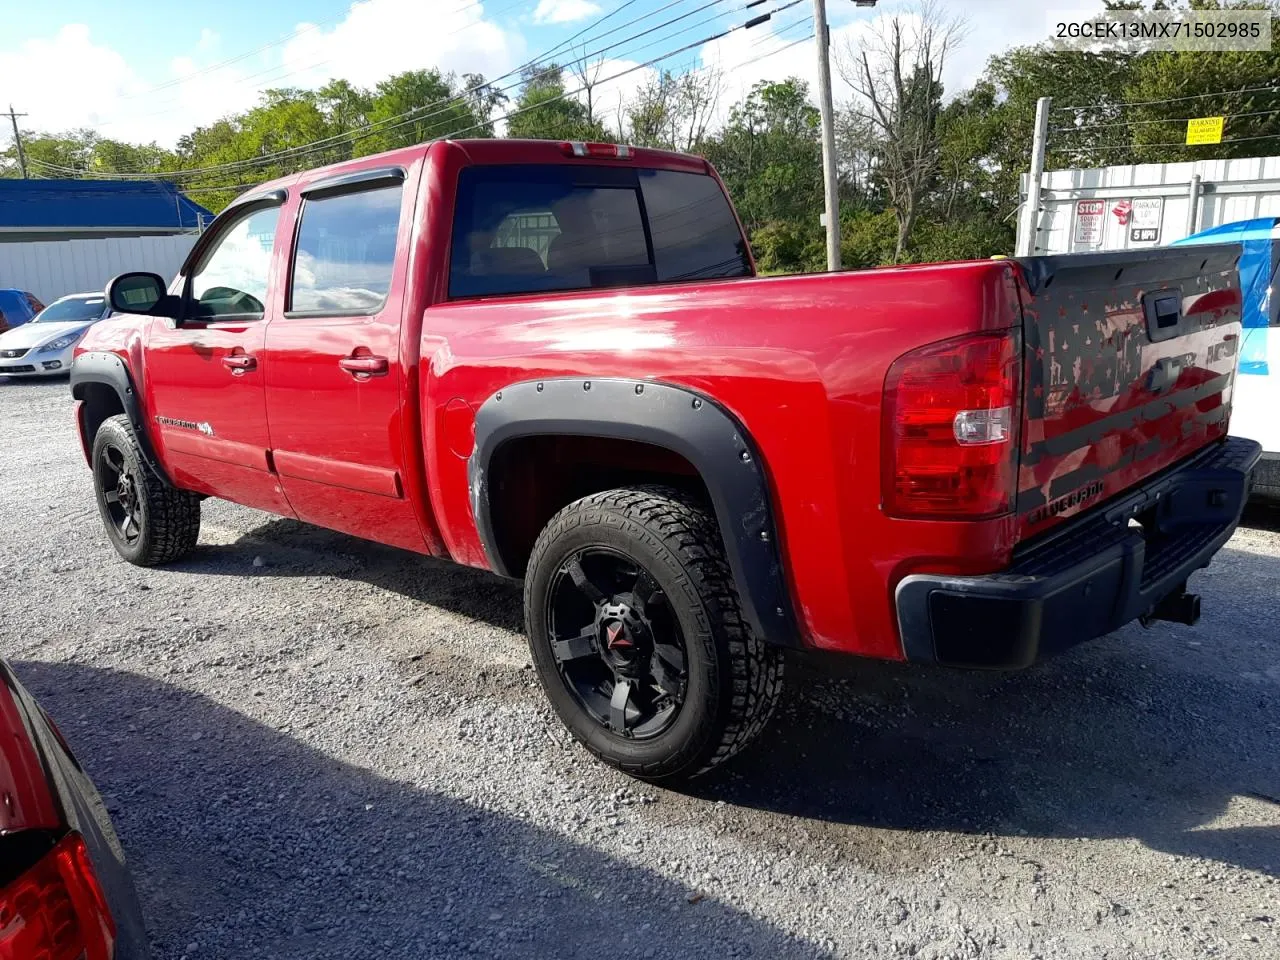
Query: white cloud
point(382, 37)
point(564, 11)
point(68, 80)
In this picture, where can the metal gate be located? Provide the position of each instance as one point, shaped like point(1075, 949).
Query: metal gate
point(1151, 204)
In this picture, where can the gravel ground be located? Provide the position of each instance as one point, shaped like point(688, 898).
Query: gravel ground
point(318, 747)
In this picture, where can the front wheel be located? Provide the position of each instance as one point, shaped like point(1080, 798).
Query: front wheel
point(636, 633)
point(148, 521)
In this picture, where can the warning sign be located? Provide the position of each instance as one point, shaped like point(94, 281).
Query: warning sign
point(1148, 212)
point(1089, 214)
point(1204, 130)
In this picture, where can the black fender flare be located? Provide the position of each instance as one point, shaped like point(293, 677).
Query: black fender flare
point(110, 370)
point(678, 419)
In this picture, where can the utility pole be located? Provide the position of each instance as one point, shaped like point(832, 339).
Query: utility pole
point(829, 178)
point(17, 139)
point(1031, 209)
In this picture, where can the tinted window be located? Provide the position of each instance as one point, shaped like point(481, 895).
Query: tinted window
point(346, 250)
point(522, 229)
point(71, 310)
point(232, 280)
point(695, 234)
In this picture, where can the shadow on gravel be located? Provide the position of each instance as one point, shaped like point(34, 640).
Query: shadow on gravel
point(248, 843)
point(1105, 742)
point(295, 549)
point(1262, 516)
point(1109, 741)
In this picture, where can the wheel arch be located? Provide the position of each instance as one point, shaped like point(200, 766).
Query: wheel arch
point(683, 424)
point(104, 385)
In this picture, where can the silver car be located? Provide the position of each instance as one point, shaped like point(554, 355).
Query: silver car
point(43, 345)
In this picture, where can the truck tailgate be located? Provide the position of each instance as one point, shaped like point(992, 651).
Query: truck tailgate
point(1130, 360)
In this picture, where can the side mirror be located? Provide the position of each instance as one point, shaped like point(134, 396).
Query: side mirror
point(143, 293)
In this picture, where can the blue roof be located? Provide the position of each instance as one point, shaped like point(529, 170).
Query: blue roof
point(140, 204)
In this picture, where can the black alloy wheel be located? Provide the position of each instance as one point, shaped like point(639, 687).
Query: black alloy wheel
point(638, 637)
point(147, 520)
point(617, 643)
point(121, 492)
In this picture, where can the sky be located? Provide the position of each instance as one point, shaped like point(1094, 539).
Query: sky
point(142, 70)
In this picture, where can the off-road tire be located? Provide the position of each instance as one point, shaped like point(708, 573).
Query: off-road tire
point(734, 677)
point(170, 517)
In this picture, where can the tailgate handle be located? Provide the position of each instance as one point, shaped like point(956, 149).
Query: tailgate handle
point(1163, 311)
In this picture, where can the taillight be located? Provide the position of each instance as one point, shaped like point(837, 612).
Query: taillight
point(609, 151)
point(56, 910)
point(951, 415)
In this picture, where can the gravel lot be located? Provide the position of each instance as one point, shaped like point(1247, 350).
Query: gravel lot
point(318, 747)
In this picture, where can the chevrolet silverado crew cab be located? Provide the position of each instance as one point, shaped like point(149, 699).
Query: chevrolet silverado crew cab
point(553, 361)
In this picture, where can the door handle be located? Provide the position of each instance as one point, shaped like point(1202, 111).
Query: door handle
point(364, 366)
point(238, 363)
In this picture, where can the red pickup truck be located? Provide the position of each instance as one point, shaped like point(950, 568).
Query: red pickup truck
point(554, 361)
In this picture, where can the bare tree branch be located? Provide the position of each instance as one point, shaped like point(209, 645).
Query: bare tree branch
point(896, 74)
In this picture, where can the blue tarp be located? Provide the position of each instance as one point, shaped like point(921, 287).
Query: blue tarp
point(71, 204)
point(1260, 240)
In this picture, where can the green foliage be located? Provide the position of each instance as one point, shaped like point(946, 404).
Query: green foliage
point(867, 238)
point(784, 246)
point(770, 156)
point(545, 111)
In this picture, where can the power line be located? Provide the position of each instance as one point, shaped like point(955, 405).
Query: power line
point(177, 106)
point(1134, 123)
point(1270, 88)
point(640, 66)
point(360, 133)
point(1171, 143)
point(442, 106)
point(454, 133)
point(356, 135)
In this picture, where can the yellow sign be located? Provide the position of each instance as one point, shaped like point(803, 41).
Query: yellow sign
point(1204, 130)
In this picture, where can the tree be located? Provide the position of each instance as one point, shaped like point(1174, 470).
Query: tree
point(546, 111)
point(674, 111)
point(418, 106)
point(897, 76)
point(770, 156)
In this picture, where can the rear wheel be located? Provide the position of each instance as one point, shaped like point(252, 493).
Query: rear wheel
point(148, 521)
point(636, 633)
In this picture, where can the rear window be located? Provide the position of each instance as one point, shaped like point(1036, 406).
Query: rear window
point(531, 228)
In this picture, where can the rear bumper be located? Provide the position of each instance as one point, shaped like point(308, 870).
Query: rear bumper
point(1094, 575)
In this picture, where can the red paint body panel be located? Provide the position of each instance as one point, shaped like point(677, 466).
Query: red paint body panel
point(799, 361)
point(26, 802)
point(338, 436)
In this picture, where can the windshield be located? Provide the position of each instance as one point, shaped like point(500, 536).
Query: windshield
point(72, 309)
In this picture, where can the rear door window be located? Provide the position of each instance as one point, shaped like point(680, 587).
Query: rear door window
point(346, 251)
point(532, 228)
